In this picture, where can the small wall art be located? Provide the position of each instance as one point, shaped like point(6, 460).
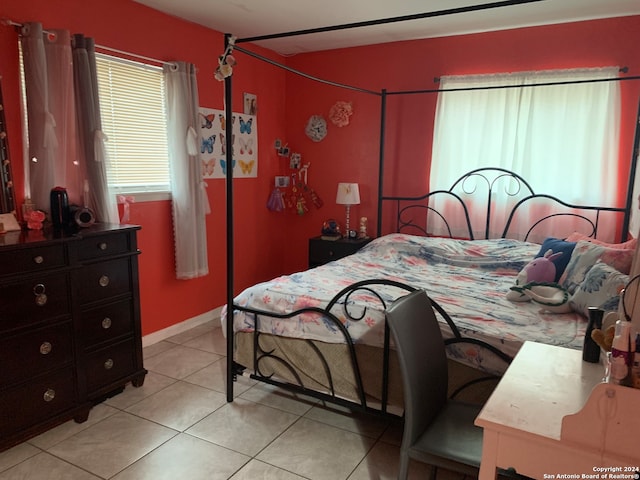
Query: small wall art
point(250, 103)
point(214, 141)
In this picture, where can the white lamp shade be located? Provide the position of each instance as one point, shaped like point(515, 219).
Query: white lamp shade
point(348, 194)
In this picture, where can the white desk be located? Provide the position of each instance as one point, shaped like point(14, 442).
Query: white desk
point(544, 420)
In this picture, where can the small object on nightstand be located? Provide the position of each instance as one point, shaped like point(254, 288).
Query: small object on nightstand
point(363, 228)
point(330, 228)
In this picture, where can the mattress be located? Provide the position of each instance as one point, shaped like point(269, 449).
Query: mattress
point(469, 279)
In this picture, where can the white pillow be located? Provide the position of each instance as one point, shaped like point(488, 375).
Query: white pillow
point(585, 255)
point(600, 288)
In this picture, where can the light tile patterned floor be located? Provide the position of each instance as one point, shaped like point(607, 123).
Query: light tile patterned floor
point(178, 425)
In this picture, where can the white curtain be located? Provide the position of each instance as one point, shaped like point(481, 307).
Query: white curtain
point(562, 139)
point(189, 197)
point(97, 194)
point(52, 158)
point(60, 91)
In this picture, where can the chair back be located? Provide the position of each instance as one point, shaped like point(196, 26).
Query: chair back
point(423, 360)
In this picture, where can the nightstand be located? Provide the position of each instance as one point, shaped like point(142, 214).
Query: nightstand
point(324, 251)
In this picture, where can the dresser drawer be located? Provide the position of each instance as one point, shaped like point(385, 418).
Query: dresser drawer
point(110, 364)
point(35, 352)
point(37, 400)
point(100, 281)
point(106, 322)
point(99, 246)
point(27, 260)
point(33, 300)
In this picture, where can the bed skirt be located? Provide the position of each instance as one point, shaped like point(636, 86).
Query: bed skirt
point(312, 372)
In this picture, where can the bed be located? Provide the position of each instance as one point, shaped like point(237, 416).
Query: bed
point(322, 331)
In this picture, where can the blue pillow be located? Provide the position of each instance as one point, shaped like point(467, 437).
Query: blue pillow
point(557, 245)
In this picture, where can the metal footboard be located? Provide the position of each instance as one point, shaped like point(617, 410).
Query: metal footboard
point(264, 355)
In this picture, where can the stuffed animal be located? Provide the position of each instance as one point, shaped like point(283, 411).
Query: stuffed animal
point(540, 270)
point(550, 296)
point(604, 338)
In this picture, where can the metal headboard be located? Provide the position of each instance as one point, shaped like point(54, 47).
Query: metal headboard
point(411, 212)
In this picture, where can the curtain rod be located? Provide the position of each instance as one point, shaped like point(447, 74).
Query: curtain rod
point(624, 69)
point(135, 55)
point(302, 74)
point(11, 23)
point(101, 47)
point(495, 87)
point(403, 18)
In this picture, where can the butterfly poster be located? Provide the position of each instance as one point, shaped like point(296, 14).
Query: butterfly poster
point(214, 140)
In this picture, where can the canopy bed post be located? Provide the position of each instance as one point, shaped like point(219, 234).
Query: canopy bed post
point(383, 111)
point(631, 187)
point(228, 109)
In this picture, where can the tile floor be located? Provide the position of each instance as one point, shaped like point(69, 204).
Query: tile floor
point(178, 425)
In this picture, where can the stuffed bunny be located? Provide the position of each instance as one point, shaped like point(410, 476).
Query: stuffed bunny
point(539, 270)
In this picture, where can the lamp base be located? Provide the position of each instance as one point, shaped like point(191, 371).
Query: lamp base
point(346, 225)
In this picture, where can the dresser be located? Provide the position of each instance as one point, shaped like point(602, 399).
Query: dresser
point(70, 333)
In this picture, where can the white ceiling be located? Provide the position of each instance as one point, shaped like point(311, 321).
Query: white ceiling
point(249, 18)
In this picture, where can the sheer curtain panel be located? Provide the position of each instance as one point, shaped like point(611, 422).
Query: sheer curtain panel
point(189, 198)
point(97, 193)
point(563, 139)
point(64, 139)
point(48, 75)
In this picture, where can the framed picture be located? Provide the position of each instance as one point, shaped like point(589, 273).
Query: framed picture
point(250, 104)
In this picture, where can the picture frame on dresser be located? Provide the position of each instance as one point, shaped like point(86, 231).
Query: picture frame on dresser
point(70, 328)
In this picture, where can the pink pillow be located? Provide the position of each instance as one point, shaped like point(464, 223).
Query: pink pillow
point(628, 245)
point(585, 255)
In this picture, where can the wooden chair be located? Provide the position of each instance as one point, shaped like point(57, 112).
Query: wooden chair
point(437, 430)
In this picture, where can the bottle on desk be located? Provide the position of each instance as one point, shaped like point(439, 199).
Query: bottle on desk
point(590, 349)
point(622, 353)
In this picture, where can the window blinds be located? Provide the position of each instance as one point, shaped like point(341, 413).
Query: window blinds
point(134, 120)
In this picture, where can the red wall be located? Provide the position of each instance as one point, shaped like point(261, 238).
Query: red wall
point(128, 26)
point(267, 243)
point(350, 153)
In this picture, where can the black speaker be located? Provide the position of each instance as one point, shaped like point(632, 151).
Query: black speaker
point(82, 216)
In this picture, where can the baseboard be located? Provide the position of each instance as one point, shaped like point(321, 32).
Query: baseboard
point(165, 333)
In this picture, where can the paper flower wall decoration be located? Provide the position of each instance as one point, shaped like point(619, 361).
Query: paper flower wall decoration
point(340, 113)
point(316, 128)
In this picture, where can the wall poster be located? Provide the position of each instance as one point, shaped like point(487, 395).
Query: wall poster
point(214, 140)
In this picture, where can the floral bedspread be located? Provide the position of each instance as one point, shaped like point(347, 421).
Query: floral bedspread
point(469, 279)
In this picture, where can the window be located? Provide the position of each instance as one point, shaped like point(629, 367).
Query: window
point(132, 107)
point(562, 138)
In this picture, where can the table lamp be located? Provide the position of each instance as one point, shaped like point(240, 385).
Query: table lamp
point(348, 194)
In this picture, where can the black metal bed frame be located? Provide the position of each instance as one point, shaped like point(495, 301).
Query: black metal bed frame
point(492, 178)
point(342, 298)
point(402, 223)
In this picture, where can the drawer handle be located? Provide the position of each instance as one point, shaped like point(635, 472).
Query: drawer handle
point(103, 281)
point(102, 246)
point(45, 348)
point(106, 323)
point(49, 395)
point(38, 259)
point(108, 365)
point(41, 297)
point(331, 253)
